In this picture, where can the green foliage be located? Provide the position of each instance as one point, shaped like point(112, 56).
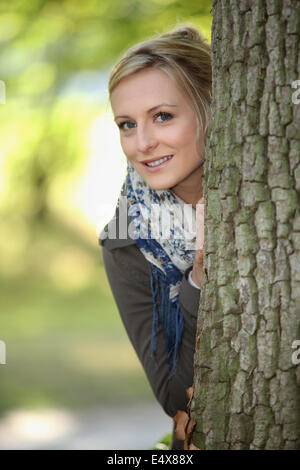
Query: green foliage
point(45, 44)
point(164, 443)
point(66, 345)
point(58, 317)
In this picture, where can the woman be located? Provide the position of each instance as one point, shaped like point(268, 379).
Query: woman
point(160, 93)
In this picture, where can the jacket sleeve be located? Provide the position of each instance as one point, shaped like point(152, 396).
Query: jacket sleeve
point(128, 273)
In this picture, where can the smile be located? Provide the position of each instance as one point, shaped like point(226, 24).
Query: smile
point(157, 164)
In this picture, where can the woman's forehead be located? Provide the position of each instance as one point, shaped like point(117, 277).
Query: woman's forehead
point(146, 88)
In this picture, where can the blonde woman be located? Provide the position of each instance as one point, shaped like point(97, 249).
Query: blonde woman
point(160, 93)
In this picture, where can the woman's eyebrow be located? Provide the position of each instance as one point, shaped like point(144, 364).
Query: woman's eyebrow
point(159, 105)
point(151, 109)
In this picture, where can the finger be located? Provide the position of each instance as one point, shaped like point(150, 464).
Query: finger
point(199, 257)
point(200, 225)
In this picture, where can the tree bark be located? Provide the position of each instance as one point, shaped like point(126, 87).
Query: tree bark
point(246, 385)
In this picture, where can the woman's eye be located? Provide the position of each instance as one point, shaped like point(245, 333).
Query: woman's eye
point(162, 117)
point(126, 125)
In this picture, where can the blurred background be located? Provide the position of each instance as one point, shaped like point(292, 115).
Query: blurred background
point(69, 377)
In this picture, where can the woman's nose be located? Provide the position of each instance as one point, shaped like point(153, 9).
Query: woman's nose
point(145, 139)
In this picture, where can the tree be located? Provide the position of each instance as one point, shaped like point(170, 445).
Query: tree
point(247, 375)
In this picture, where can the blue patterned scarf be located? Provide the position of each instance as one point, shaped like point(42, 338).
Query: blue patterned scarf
point(169, 256)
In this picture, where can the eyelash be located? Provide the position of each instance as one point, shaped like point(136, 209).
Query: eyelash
point(161, 113)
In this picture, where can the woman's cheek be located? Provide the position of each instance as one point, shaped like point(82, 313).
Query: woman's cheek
point(128, 148)
point(124, 147)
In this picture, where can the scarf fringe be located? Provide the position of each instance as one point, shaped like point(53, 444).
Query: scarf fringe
point(166, 314)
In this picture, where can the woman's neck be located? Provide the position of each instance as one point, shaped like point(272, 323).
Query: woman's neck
point(190, 189)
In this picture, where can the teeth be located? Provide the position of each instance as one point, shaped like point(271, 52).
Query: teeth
point(158, 162)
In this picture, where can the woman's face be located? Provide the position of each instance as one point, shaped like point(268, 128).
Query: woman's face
point(156, 122)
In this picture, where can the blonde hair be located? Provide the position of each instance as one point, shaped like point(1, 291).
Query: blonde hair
point(185, 56)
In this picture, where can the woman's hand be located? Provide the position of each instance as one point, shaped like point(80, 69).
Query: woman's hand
point(198, 259)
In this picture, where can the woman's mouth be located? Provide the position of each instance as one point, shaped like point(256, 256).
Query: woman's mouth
point(158, 164)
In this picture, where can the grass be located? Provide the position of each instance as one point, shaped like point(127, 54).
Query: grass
point(65, 342)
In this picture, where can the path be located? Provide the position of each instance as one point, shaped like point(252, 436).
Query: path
point(137, 427)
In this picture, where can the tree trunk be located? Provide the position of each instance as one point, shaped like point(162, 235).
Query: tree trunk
point(247, 377)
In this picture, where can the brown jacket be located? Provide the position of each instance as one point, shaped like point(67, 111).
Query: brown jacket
point(128, 273)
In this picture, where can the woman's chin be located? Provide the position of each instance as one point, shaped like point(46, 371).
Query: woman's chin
point(159, 184)
point(160, 187)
